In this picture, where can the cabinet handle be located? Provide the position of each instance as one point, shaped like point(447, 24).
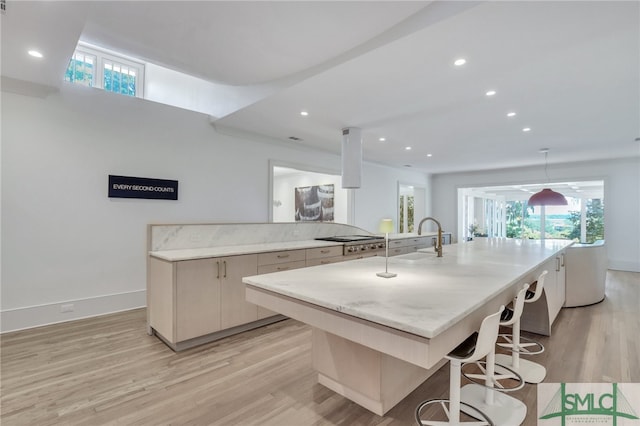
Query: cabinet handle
point(225, 269)
point(325, 251)
point(557, 264)
point(324, 262)
point(282, 268)
point(218, 269)
point(283, 256)
point(562, 263)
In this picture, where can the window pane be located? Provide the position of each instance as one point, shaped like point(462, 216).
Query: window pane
point(119, 78)
point(81, 70)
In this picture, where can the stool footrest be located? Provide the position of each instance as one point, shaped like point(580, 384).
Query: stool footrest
point(526, 347)
point(479, 418)
point(506, 375)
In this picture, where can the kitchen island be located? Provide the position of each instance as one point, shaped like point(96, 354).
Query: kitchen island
point(377, 339)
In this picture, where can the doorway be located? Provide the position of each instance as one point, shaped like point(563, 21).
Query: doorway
point(411, 206)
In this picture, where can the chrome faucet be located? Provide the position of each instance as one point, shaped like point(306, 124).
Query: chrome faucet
point(439, 241)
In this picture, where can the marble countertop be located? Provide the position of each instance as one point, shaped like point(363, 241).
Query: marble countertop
point(204, 253)
point(429, 294)
point(240, 249)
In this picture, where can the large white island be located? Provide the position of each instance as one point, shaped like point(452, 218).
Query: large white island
point(376, 339)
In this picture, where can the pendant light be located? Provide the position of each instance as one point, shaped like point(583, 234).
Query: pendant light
point(547, 197)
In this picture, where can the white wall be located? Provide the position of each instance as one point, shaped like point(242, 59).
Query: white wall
point(65, 241)
point(621, 198)
point(378, 197)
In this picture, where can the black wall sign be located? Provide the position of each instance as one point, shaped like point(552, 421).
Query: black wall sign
point(136, 187)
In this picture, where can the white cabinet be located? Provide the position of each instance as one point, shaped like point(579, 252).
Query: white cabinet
point(234, 309)
point(552, 300)
point(197, 299)
point(190, 299)
point(404, 245)
point(324, 255)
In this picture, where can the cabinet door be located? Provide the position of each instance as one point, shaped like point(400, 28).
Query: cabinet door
point(562, 277)
point(234, 307)
point(197, 299)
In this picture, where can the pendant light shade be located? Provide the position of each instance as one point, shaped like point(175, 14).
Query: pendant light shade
point(547, 197)
point(351, 157)
point(386, 226)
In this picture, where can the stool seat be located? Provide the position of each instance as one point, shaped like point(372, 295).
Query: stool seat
point(506, 315)
point(465, 349)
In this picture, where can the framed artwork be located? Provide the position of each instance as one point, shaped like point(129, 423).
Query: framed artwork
point(314, 203)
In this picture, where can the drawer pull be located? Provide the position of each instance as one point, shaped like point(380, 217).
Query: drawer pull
point(283, 256)
point(218, 269)
point(325, 251)
point(324, 262)
point(282, 268)
point(562, 262)
point(557, 264)
point(224, 263)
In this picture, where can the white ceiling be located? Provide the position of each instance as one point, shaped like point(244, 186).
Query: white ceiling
point(570, 70)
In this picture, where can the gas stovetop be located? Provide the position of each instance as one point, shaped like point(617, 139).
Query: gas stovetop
point(354, 244)
point(351, 238)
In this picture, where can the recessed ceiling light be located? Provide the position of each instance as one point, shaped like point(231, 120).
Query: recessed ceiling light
point(35, 53)
point(511, 114)
point(490, 93)
point(304, 113)
point(429, 155)
point(382, 139)
point(459, 62)
point(526, 129)
point(408, 148)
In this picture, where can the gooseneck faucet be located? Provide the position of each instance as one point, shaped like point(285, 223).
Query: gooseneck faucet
point(439, 241)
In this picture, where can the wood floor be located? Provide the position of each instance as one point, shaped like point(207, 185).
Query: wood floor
point(107, 370)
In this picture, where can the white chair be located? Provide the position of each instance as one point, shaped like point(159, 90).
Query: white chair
point(530, 371)
point(490, 376)
point(475, 347)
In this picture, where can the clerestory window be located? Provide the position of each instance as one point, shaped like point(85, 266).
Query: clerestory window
point(93, 67)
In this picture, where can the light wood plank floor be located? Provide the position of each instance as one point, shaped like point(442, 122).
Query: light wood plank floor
point(107, 370)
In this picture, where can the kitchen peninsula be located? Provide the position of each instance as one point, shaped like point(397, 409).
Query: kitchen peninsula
point(377, 339)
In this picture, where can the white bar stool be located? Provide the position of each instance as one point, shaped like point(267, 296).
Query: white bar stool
point(530, 371)
point(503, 410)
point(475, 347)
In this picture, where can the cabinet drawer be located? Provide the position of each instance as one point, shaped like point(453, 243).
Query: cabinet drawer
point(281, 257)
point(322, 252)
point(324, 260)
point(266, 269)
point(397, 251)
point(362, 255)
point(395, 243)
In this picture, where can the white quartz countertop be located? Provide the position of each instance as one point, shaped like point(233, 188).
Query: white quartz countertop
point(429, 294)
point(204, 253)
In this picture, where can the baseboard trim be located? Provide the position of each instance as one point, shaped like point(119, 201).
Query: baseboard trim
point(621, 265)
point(37, 316)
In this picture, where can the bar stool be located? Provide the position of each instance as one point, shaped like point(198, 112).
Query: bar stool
point(475, 347)
point(530, 371)
point(503, 410)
